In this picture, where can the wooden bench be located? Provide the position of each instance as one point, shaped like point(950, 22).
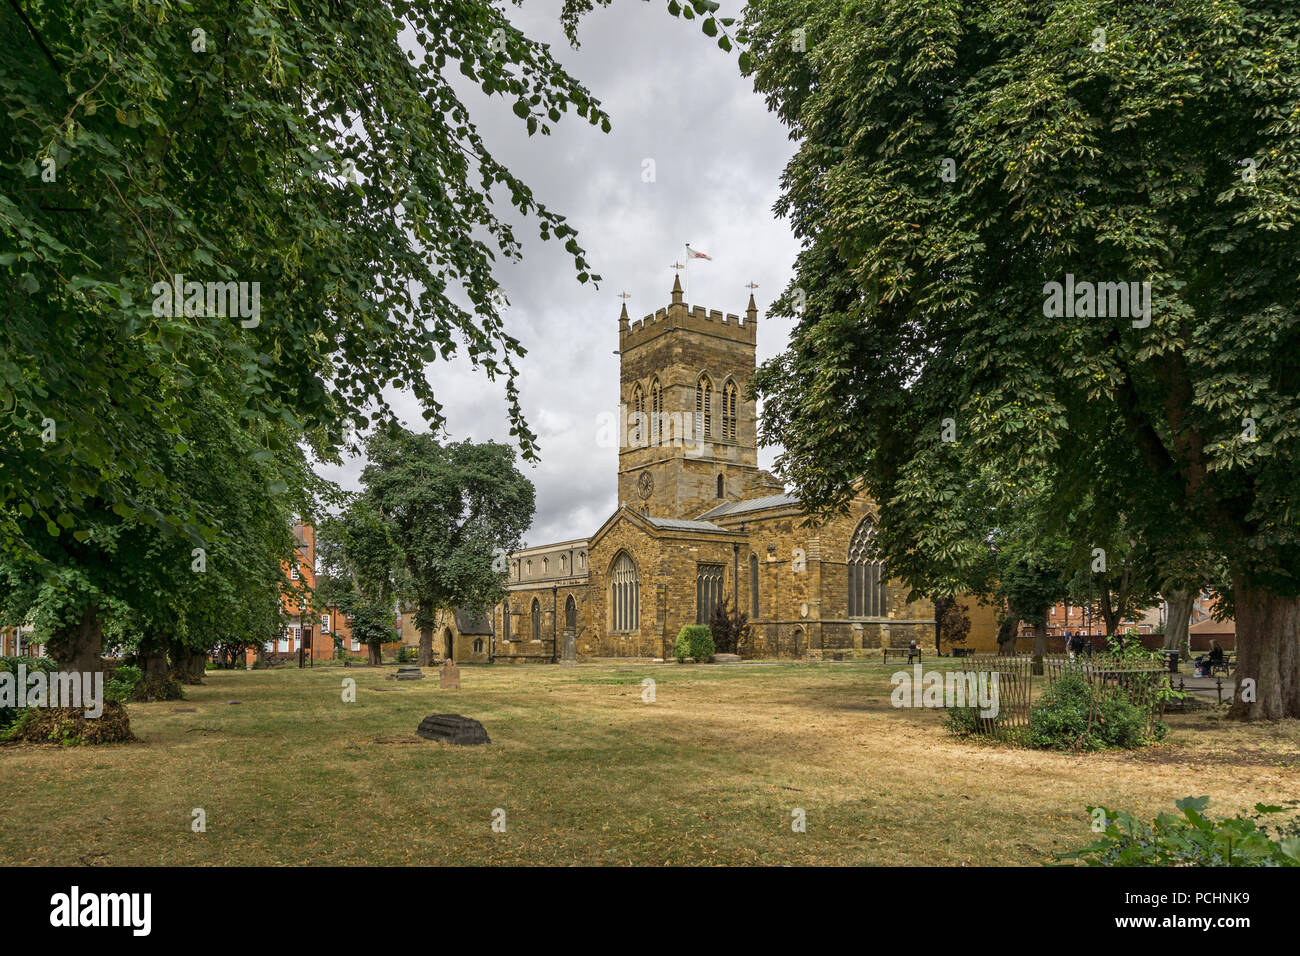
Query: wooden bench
point(908, 652)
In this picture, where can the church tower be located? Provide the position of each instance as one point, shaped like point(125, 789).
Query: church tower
point(690, 442)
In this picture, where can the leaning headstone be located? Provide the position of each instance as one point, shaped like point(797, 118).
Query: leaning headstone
point(452, 728)
point(450, 676)
point(407, 673)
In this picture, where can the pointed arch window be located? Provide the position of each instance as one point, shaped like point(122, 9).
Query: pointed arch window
point(537, 620)
point(753, 587)
point(866, 574)
point(505, 627)
point(624, 594)
point(570, 612)
point(656, 410)
point(729, 411)
point(638, 415)
point(704, 407)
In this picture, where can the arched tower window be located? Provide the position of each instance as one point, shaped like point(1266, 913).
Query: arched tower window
point(729, 411)
point(866, 574)
point(537, 620)
point(624, 596)
point(656, 410)
point(638, 415)
point(704, 407)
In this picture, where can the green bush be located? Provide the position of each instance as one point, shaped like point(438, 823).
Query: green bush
point(694, 641)
point(121, 684)
point(10, 664)
point(1261, 839)
point(1060, 720)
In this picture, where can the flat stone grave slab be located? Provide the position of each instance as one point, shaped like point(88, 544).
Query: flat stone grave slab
point(407, 673)
point(726, 658)
point(453, 729)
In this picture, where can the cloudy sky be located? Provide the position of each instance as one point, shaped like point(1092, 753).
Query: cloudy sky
point(673, 97)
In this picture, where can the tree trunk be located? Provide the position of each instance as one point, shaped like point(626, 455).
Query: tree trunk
point(1040, 638)
point(1268, 652)
point(1180, 615)
point(376, 653)
point(196, 665)
point(152, 653)
point(426, 646)
point(79, 646)
point(941, 606)
point(1007, 631)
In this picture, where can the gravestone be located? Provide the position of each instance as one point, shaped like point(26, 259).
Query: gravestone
point(452, 728)
point(407, 673)
point(450, 676)
point(570, 653)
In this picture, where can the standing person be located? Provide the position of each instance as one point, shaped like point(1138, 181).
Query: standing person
point(1069, 644)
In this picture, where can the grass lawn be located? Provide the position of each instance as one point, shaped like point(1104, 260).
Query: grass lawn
point(589, 773)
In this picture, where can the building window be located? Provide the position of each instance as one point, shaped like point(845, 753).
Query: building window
point(324, 623)
point(720, 486)
point(624, 596)
point(656, 410)
point(704, 407)
point(546, 566)
point(638, 415)
point(505, 618)
point(356, 644)
point(570, 612)
point(866, 574)
point(537, 620)
point(529, 568)
point(582, 560)
point(564, 563)
point(729, 411)
point(708, 591)
point(478, 645)
point(753, 587)
point(282, 645)
point(293, 571)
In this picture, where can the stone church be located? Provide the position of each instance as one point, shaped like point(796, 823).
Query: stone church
point(698, 521)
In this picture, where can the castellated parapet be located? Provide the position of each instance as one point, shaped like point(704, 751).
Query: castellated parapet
point(678, 315)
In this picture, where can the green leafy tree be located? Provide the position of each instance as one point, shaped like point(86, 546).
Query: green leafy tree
point(301, 147)
point(454, 512)
point(359, 568)
point(955, 158)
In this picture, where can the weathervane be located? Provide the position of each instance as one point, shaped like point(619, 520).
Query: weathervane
point(624, 295)
point(751, 286)
point(677, 266)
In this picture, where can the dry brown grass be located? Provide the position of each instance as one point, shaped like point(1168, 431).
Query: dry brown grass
point(588, 773)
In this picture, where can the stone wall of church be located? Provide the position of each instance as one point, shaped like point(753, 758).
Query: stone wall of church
point(804, 591)
point(667, 567)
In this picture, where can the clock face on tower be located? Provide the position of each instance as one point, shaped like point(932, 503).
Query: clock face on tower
point(645, 485)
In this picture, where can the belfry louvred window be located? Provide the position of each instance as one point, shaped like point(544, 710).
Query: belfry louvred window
point(704, 408)
point(729, 412)
point(656, 411)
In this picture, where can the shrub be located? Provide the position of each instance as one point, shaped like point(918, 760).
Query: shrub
point(1074, 715)
point(10, 664)
point(121, 684)
point(1261, 839)
point(730, 629)
point(694, 641)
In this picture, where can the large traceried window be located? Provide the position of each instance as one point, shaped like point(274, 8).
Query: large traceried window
point(866, 574)
point(708, 591)
point(729, 411)
point(624, 594)
point(704, 407)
